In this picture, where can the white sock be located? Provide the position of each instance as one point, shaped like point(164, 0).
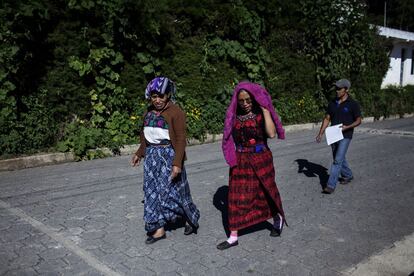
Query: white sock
point(232, 239)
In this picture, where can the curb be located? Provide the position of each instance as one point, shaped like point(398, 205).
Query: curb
point(35, 161)
point(56, 158)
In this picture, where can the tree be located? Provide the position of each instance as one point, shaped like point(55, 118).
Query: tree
point(399, 13)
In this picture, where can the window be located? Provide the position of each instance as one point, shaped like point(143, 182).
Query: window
point(402, 66)
point(412, 62)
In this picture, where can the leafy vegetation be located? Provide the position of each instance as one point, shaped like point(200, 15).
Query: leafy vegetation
point(73, 72)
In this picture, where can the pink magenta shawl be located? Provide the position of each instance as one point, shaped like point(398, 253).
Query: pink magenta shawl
point(263, 98)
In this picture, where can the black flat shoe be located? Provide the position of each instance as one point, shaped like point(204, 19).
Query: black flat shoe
point(277, 231)
point(226, 245)
point(189, 229)
point(151, 239)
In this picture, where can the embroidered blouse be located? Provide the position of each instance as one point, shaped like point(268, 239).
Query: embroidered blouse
point(175, 119)
point(249, 130)
point(155, 128)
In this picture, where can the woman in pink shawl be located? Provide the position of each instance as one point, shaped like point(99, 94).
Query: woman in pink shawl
point(253, 194)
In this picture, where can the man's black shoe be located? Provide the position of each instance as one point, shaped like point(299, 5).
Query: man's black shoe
point(345, 181)
point(328, 190)
point(226, 245)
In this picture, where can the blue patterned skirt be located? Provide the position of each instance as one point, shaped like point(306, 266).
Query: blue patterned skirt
point(165, 200)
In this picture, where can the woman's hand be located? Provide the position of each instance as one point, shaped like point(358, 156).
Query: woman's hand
point(264, 110)
point(135, 161)
point(175, 171)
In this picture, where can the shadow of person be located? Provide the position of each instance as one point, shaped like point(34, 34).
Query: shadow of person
point(313, 170)
point(256, 227)
point(220, 201)
point(175, 224)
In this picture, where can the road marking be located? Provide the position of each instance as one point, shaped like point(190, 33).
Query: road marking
point(396, 260)
point(83, 254)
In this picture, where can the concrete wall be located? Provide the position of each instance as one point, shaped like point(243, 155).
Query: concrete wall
point(393, 75)
point(401, 40)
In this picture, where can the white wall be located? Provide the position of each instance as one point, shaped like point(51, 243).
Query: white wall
point(393, 75)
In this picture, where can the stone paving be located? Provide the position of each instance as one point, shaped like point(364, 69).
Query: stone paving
point(86, 218)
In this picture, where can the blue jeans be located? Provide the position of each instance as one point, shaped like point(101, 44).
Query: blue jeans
point(339, 166)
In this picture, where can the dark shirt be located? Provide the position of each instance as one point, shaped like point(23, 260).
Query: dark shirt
point(345, 113)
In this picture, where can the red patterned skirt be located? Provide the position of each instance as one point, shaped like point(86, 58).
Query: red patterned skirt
point(253, 194)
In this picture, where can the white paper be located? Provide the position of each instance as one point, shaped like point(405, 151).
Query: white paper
point(334, 134)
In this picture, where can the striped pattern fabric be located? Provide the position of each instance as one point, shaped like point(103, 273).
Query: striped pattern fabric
point(160, 85)
point(165, 200)
point(253, 194)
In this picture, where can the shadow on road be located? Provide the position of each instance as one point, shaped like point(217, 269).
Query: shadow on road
point(175, 224)
point(220, 201)
point(313, 170)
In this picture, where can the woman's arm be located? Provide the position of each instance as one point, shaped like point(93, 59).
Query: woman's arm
point(140, 153)
point(179, 126)
point(269, 124)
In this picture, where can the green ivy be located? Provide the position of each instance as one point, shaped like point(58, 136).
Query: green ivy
point(73, 73)
point(295, 110)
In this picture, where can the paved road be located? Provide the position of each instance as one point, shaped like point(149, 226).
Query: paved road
point(86, 218)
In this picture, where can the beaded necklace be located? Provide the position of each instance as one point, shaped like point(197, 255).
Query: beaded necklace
point(246, 117)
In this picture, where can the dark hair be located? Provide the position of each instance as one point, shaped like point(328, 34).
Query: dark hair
point(168, 93)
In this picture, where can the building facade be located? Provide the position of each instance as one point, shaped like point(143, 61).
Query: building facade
point(401, 70)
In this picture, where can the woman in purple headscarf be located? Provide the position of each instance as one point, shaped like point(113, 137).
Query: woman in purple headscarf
point(163, 139)
point(253, 194)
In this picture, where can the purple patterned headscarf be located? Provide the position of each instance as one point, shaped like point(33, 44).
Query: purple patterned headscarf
point(161, 85)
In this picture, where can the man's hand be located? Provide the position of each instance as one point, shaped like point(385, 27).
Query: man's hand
point(344, 127)
point(135, 161)
point(175, 171)
point(353, 125)
point(319, 138)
